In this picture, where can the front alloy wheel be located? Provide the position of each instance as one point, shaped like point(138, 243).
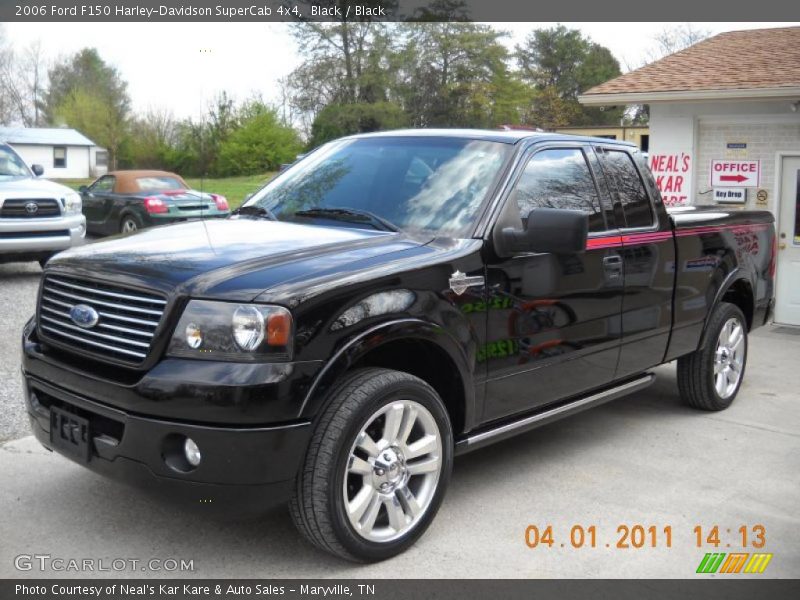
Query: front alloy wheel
point(392, 471)
point(376, 468)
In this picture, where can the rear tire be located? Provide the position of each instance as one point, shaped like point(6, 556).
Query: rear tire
point(129, 224)
point(377, 466)
point(710, 377)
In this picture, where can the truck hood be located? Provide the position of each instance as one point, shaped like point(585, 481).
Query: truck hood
point(234, 259)
point(26, 187)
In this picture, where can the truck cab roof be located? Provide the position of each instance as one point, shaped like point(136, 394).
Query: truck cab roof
point(506, 136)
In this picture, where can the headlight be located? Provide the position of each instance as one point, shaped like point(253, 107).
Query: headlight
point(248, 327)
point(235, 332)
point(72, 203)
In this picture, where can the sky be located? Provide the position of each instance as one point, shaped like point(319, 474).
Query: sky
point(181, 66)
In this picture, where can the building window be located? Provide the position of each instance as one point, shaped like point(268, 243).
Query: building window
point(59, 157)
point(644, 142)
point(101, 158)
point(609, 136)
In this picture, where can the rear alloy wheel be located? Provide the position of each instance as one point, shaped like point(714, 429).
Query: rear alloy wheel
point(377, 466)
point(129, 224)
point(729, 358)
point(710, 377)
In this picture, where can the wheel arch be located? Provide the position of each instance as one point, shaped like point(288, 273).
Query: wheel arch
point(737, 289)
point(417, 347)
point(128, 210)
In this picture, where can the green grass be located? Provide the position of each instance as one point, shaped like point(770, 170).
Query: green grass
point(233, 188)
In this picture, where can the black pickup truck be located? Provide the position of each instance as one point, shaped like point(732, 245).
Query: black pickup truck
point(386, 303)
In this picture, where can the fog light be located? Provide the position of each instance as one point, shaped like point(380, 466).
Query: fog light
point(192, 452)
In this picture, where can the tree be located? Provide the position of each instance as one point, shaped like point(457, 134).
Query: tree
point(22, 83)
point(562, 62)
point(6, 61)
point(449, 74)
point(550, 110)
point(674, 39)
point(260, 143)
point(90, 114)
point(155, 137)
point(86, 80)
point(669, 41)
point(337, 120)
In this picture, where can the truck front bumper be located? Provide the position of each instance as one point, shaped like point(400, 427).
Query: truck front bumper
point(242, 470)
point(38, 237)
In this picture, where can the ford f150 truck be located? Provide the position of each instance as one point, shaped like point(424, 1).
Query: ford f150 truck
point(37, 217)
point(388, 302)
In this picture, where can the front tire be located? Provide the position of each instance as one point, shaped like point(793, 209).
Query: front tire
point(377, 466)
point(710, 377)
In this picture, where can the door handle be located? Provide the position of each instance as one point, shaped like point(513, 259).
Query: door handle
point(782, 246)
point(613, 266)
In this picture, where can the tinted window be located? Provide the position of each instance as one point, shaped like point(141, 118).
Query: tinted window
point(559, 178)
point(104, 184)
point(626, 182)
point(417, 183)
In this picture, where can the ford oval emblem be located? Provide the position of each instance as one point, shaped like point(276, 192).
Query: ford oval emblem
point(31, 208)
point(84, 316)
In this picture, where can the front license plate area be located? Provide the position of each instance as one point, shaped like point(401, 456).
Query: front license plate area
point(70, 433)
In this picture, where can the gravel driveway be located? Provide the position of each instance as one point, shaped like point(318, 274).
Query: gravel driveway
point(19, 283)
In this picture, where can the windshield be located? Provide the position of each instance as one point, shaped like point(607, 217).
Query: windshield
point(11, 165)
point(425, 183)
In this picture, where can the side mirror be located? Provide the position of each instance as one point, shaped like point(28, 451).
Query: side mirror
point(38, 170)
point(553, 230)
point(83, 189)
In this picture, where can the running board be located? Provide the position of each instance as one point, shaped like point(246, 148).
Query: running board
point(507, 430)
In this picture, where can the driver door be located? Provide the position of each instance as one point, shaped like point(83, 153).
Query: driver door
point(557, 331)
point(95, 198)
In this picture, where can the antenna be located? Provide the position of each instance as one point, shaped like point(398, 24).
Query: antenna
point(203, 162)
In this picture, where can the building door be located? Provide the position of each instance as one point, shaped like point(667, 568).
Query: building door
point(787, 301)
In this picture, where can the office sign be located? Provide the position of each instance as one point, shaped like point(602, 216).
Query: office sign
point(735, 173)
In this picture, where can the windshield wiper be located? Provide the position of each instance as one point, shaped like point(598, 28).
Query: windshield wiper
point(255, 211)
point(350, 215)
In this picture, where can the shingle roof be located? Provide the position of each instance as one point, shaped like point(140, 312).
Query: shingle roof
point(44, 136)
point(736, 60)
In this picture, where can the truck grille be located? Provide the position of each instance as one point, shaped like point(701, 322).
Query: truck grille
point(23, 208)
point(126, 323)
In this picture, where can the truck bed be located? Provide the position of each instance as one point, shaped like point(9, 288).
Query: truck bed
point(719, 251)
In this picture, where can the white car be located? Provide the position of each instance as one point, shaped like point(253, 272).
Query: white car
point(38, 218)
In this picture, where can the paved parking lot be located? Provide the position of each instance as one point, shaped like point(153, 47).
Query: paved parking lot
point(644, 459)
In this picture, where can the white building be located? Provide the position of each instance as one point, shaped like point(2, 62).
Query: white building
point(64, 153)
point(725, 130)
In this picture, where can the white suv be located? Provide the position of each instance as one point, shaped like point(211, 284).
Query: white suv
point(38, 218)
